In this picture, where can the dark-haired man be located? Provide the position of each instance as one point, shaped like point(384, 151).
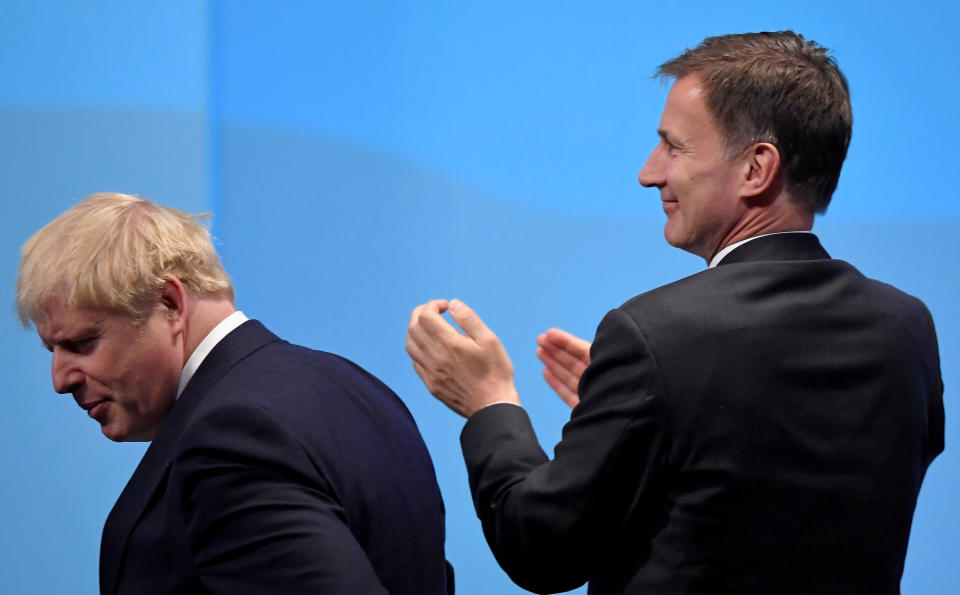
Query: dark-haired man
point(760, 427)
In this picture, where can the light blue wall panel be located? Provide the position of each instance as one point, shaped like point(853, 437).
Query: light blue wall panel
point(93, 96)
point(364, 158)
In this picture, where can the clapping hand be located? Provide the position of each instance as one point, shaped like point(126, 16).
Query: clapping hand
point(466, 371)
point(564, 357)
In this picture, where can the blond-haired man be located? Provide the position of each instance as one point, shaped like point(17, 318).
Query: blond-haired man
point(269, 463)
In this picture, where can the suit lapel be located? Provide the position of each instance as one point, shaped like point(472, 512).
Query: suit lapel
point(151, 473)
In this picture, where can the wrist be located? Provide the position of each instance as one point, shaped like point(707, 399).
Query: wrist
point(508, 396)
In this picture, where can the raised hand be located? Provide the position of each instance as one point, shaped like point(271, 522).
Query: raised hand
point(564, 358)
point(466, 371)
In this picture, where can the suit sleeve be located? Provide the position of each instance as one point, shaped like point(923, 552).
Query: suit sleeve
point(552, 524)
point(258, 516)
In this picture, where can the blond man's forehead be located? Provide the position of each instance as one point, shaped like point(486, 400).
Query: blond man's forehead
point(56, 320)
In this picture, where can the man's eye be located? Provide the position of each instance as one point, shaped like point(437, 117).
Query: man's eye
point(81, 346)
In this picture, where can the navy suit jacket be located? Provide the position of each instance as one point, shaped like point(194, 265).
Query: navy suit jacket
point(760, 427)
point(279, 470)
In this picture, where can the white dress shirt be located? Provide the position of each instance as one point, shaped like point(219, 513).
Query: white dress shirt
point(206, 346)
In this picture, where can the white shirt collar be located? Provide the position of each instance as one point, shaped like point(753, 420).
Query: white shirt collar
point(719, 255)
point(206, 346)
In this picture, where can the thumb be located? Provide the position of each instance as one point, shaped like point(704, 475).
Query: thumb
point(467, 319)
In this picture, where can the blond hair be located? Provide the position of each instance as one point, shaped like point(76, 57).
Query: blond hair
point(114, 252)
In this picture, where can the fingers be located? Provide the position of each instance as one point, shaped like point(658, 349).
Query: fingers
point(561, 379)
point(425, 324)
point(469, 321)
point(440, 306)
point(562, 365)
point(564, 354)
point(428, 317)
point(564, 357)
point(562, 340)
point(414, 350)
point(424, 376)
point(570, 397)
point(428, 343)
point(464, 371)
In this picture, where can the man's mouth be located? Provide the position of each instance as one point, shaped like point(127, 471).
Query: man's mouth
point(94, 408)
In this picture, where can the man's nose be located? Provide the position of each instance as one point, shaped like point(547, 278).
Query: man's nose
point(652, 173)
point(67, 376)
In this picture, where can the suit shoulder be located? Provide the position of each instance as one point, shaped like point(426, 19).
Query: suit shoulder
point(658, 293)
point(284, 362)
point(668, 300)
point(739, 295)
point(315, 396)
point(888, 299)
point(298, 386)
point(895, 295)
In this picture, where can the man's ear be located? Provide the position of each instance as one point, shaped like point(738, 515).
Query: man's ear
point(762, 169)
point(173, 300)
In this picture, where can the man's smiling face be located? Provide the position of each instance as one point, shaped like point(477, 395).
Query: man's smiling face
point(698, 183)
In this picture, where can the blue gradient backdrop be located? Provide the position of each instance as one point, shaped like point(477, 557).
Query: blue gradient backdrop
point(362, 159)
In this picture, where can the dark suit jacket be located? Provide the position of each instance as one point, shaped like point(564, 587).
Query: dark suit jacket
point(760, 427)
point(279, 470)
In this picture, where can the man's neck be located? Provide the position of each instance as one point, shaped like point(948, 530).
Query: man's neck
point(778, 217)
point(206, 313)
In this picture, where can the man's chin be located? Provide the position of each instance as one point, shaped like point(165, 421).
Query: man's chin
point(683, 242)
point(122, 434)
point(675, 239)
point(113, 433)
